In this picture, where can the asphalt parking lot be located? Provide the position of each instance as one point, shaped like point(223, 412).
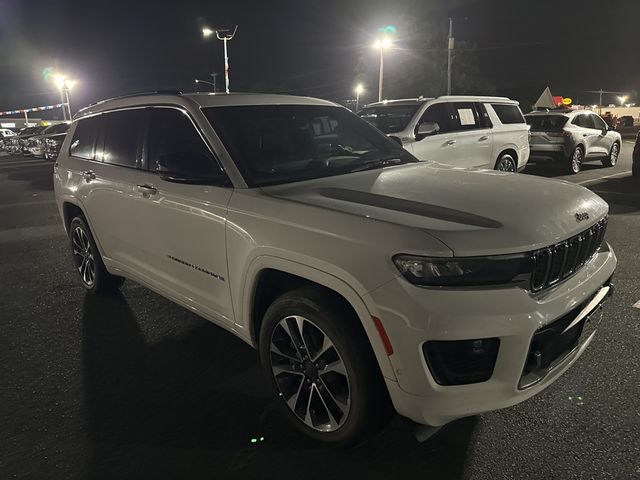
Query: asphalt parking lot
point(134, 386)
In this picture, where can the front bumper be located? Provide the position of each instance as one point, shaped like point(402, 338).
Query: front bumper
point(412, 316)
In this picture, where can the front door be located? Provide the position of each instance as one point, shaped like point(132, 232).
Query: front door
point(442, 146)
point(182, 222)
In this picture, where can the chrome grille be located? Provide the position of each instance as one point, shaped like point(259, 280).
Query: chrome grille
point(557, 262)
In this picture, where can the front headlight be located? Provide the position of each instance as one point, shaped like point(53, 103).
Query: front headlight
point(464, 271)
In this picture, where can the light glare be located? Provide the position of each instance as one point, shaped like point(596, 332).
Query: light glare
point(206, 31)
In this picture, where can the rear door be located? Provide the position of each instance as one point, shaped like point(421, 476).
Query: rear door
point(588, 135)
point(183, 223)
point(105, 152)
point(472, 135)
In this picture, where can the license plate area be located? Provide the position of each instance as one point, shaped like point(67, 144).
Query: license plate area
point(553, 343)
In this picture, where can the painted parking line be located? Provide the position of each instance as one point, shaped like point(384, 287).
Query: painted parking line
point(584, 182)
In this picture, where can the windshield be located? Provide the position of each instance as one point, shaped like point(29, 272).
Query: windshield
point(274, 144)
point(546, 123)
point(389, 118)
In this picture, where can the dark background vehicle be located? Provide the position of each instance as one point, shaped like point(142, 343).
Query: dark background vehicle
point(636, 157)
point(37, 144)
point(53, 140)
point(24, 136)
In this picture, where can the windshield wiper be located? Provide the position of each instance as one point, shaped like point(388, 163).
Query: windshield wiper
point(377, 163)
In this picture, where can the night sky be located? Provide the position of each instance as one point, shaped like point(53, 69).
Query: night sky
point(312, 47)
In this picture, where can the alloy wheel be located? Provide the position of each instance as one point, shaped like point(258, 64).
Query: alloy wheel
point(615, 151)
point(83, 256)
point(310, 374)
point(506, 164)
point(576, 160)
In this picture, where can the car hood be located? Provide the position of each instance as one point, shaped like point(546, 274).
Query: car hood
point(474, 212)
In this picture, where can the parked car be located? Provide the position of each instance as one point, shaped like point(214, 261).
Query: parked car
point(572, 137)
point(5, 133)
point(485, 132)
point(37, 144)
point(25, 135)
point(54, 140)
point(636, 157)
point(360, 273)
point(12, 144)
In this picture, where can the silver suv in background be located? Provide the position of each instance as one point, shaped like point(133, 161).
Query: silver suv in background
point(465, 131)
point(572, 137)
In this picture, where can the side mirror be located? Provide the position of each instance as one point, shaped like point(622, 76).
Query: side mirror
point(426, 129)
point(191, 168)
point(396, 139)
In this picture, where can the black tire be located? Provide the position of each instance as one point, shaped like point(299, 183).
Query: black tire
point(506, 163)
point(614, 153)
point(367, 402)
point(575, 160)
point(87, 260)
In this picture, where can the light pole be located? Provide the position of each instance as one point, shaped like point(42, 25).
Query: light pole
point(64, 84)
point(382, 44)
point(450, 47)
point(359, 89)
point(225, 35)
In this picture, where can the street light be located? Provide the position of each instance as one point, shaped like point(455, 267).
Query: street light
point(224, 35)
point(208, 83)
point(383, 43)
point(64, 85)
point(359, 89)
point(623, 98)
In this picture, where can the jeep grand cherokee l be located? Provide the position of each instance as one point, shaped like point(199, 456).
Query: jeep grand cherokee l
point(359, 273)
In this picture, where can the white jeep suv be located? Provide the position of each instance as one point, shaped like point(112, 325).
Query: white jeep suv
point(360, 274)
point(465, 131)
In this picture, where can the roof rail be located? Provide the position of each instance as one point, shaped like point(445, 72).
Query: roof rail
point(137, 94)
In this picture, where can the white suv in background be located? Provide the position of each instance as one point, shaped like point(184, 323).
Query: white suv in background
point(572, 137)
point(360, 273)
point(483, 132)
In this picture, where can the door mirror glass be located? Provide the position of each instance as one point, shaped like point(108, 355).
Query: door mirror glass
point(189, 167)
point(427, 128)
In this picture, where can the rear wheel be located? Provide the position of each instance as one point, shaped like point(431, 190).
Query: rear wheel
point(575, 161)
point(612, 159)
point(87, 260)
point(506, 163)
point(321, 367)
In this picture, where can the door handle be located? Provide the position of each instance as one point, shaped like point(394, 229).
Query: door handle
point(451, 142)
point(483, 138)
point(147, 190)
point(89, 175)
point(585, 134)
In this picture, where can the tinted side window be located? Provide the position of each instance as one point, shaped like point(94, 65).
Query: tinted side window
point(598, 122)
point(464, 116)
point(173, 139)
point(438, 113)
point(84, 138)
point(121, 132)
point(508, 114)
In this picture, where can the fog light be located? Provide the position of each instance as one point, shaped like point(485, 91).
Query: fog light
point(461, 362)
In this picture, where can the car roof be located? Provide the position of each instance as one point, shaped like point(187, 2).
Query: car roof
point(444, 98)
point(558, 112)
point(199, 99)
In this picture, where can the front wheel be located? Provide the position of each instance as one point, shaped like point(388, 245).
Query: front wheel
point(612, 159)
point(321, 367)
point(87, 260)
